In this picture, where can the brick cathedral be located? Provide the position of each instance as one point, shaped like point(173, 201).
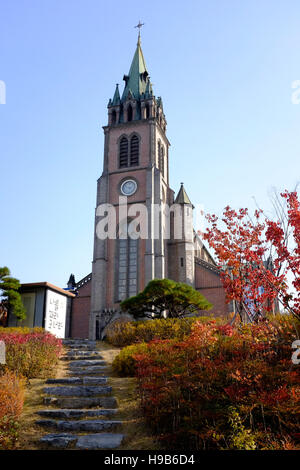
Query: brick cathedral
point(136, 166)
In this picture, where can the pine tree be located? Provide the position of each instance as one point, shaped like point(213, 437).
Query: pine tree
point(11, 298)
point(163, 295)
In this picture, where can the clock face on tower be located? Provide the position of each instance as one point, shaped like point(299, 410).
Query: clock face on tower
point(128, 187)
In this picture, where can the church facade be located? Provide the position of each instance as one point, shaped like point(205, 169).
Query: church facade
point(146, 241)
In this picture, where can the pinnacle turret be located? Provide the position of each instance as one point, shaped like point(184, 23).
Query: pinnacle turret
point(182, 197)
point(116, 98)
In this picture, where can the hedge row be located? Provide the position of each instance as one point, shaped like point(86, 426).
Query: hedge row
point(32, 353)
point(123, 333)
point(222, 387)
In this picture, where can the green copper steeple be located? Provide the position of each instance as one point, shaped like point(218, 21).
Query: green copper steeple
point(116, 98)
point(137, 79)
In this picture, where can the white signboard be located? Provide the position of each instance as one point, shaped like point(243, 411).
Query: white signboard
point(2, 353)
point(55, 314)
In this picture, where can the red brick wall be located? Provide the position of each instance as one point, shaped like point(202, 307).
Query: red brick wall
point(209, 284)
point(80, 312)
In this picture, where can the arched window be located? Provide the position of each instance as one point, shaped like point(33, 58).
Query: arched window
point(113, 117)
point(129, 113)
point(134, 151)
point(127, 259)
point(123, 156)
point(158, 154)
point(162, 160)
point(147, 111)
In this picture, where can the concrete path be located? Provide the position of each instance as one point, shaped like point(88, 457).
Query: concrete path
point(85, 407)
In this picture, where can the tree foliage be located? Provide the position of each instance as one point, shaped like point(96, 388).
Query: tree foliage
point(11, 298)
point(250, 276)
point(164, 295)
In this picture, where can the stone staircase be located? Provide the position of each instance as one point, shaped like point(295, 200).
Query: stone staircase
point(83, 417)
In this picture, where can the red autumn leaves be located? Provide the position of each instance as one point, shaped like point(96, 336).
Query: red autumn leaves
point(256, 255)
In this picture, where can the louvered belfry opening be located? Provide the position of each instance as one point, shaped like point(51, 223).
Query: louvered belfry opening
point(123, 152)
point(134, 151)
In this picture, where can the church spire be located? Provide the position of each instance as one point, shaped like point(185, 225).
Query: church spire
point(137, 101)
point(137, 79)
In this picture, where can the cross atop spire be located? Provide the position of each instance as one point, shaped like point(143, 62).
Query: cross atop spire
point(139, 25)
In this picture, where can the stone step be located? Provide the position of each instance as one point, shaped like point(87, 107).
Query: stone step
point(80, 358)
point(86, 363)
point(60, 441)
point(88, 371)
point(88, 442)
point(91, 425)
point(99, 441)
point(71, 341)
point(79, 381)
point(81, 402)
point(78, 391)
point(79, 352)
point(73, 413)
point(81, 347)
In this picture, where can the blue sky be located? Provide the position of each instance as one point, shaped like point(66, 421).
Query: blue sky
point(223, 68)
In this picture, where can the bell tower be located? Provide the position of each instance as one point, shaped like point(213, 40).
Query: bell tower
point(135, 176)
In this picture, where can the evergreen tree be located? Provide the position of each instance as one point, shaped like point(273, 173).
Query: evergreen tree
point(163, 295)
point(11, 298)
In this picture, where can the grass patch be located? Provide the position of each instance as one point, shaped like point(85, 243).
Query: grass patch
point(138, 436)
point(29, 432)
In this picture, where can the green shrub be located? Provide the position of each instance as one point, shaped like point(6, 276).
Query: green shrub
point(123, 333)
point(124, 362)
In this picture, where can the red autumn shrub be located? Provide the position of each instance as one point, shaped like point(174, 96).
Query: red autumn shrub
point(11, 404)
point(33, 353)
point(223, 387)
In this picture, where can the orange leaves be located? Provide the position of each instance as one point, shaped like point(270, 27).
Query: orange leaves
point(11, 395)
point(11, 405)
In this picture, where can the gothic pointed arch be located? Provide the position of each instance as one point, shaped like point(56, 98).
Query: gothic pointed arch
point(129, 113)
point(162, 160)
point(158, 154)
point(147, 111)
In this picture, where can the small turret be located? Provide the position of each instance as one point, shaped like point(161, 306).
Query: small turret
point(182, 197)
point(71, 282)
point(185, 245)
point(116, 98)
